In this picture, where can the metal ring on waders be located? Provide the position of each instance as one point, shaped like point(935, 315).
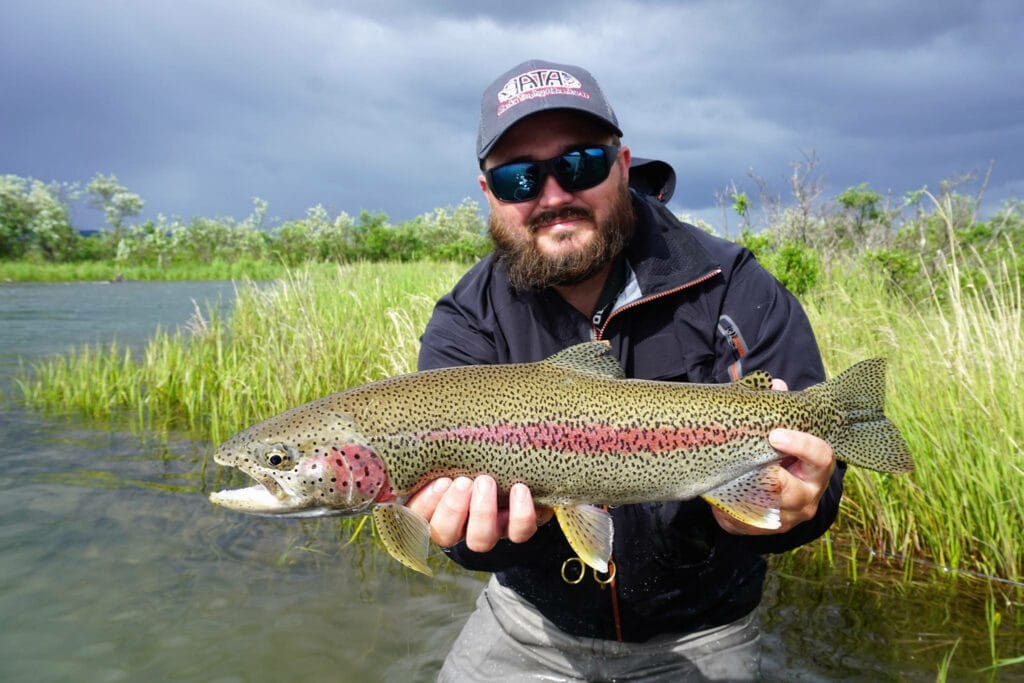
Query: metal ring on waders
point(568, 563)
point(610, 575)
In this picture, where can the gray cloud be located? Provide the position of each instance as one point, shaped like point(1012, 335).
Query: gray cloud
point(198, 107)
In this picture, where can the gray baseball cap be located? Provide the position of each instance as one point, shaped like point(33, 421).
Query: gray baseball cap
point(536, 86)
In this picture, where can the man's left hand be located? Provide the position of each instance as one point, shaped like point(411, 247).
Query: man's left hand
point(807, 468)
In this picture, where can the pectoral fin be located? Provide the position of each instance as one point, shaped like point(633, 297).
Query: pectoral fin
point(589, 531)
point(752, 498)
point(405, 534)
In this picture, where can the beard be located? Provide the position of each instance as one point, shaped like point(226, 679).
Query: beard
point(530, 269)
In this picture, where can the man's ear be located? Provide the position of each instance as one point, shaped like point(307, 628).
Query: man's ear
point(624, 156)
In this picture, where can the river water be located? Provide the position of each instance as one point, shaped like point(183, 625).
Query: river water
point(113, 566)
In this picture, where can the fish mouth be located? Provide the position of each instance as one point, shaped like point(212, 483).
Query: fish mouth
point(265, 496)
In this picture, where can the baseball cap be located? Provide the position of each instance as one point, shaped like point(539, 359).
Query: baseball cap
point(535, 86)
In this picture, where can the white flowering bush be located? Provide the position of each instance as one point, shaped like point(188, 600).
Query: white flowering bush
point(34, 219)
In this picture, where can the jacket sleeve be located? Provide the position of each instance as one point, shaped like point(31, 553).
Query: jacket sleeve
point(772, 333)
point(462, 327)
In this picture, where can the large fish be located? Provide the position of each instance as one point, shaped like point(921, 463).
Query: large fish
point(571, 427)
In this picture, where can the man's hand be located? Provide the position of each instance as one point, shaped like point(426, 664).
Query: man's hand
point(805, 476)
point(468, 509)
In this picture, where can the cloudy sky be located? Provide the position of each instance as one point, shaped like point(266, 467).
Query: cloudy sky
point(198, 106)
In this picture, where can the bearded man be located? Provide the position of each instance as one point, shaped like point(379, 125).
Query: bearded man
point(579, 257)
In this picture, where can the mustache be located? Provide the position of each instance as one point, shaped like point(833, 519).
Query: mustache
point(567, 213)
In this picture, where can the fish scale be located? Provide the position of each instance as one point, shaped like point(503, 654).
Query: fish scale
point(572, 428)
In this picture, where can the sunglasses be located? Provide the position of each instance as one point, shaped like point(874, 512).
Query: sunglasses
point(578, 169)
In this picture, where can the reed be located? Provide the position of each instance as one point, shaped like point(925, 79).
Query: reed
point(319, 330)
point(100, 271)
point(956, 363)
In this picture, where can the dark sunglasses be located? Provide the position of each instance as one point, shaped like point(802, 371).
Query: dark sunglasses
point(578, 169)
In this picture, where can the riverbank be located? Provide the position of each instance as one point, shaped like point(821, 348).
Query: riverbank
point(113, 271)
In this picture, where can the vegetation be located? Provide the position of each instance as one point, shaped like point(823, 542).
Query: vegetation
point(317, 331)
point(38, 242)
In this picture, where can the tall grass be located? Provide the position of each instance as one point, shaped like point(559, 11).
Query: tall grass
point(99, 271)
point(955, 371)
point(317, 331)
point(956, 368)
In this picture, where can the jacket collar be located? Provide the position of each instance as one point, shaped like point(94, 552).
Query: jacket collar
point(664, 253)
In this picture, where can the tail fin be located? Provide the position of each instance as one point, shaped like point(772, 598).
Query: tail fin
point(869, 440)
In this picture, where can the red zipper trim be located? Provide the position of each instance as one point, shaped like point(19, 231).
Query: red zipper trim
point(599, 333)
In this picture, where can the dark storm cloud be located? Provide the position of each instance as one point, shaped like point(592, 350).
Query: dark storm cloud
point(199, 106)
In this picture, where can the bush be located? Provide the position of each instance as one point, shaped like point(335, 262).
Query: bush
point(34, 222)
point(795, 265)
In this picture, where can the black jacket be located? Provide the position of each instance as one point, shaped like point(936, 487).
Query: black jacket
point(707, 312)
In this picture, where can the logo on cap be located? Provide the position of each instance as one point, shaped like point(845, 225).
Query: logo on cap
point(538, 83)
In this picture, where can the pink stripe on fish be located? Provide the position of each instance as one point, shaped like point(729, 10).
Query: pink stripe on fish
point(594, 439)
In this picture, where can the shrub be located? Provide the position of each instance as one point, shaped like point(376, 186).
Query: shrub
point(34, 220)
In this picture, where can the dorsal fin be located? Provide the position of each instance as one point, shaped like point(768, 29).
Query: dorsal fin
point(758, 379)
point(593, 357)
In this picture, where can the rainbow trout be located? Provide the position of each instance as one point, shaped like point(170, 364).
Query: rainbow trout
point(571, 427)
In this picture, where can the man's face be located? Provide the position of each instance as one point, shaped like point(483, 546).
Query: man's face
point(559, 237)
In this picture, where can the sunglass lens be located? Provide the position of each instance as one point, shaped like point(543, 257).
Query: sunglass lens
point(516, 182)
point(582, 169)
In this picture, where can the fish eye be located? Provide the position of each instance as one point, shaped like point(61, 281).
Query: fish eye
point(278, 457)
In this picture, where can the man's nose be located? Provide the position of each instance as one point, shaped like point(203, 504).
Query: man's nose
point(552, 194)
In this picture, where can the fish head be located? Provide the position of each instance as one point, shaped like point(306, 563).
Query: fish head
point(304, 466)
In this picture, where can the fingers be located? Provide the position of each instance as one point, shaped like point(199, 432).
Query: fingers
point(467, 509)
point(482, 532)
point(522, 515)
point(445, 505)
point(448, 520)
point(424, 501)
point(805, 476)
point(814, 458)
point(803, 480)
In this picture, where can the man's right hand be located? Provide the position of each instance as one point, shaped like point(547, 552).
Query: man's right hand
point(468, 509)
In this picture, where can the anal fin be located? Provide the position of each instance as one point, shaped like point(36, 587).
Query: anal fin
point(589, 531)
point(405, 534)
point(752, 498)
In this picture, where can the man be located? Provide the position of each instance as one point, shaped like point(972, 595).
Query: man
point(579, 257)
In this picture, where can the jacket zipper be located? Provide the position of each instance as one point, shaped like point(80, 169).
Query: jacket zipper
point(599, 333)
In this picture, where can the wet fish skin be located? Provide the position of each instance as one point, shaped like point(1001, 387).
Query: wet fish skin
point(572, 428)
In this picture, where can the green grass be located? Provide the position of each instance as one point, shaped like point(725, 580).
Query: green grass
point(956, 364)
point(955, 370)
point(317, 331)
point(26, 271)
